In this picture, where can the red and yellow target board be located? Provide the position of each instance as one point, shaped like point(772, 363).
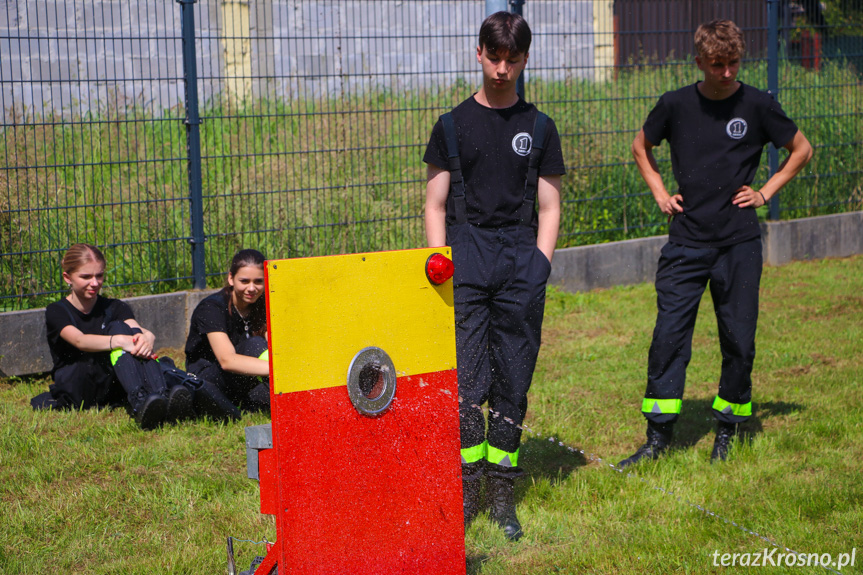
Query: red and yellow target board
point(364, 476)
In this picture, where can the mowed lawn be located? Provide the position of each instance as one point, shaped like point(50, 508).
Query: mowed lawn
point(90, 493)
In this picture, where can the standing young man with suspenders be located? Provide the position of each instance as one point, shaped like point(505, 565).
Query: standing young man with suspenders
point(489, 161)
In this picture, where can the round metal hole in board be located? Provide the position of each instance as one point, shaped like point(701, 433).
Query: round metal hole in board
point(371, 381)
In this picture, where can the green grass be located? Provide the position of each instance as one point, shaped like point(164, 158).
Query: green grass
point(315, 177)
point(89, 493)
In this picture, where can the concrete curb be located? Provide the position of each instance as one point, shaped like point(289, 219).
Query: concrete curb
point(605, 265)
point(634, 261)
point(836, 236)
point(25, 350)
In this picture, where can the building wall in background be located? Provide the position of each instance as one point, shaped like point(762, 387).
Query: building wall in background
point(661, 30)
point(75, 56)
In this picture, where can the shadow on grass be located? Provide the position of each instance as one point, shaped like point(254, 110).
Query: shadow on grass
point(543, 459)
point(696, 420)
point(763, 411)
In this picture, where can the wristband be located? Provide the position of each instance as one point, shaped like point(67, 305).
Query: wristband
point(110, 339)
point(762, 197)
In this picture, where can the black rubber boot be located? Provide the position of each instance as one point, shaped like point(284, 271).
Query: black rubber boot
point(45, 401)
point(500, 494)
point(145, 389)
point(471, 484)
point(725, 434)
point(149, 409)
point(658, 439)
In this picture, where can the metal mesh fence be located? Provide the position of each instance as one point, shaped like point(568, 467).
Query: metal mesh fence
point(314, 116)
point(821, 89)
point(314, 147)
point(93, 147)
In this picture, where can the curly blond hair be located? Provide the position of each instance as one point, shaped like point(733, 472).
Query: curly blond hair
point(719, 39)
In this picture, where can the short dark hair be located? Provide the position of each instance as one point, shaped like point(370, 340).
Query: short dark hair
point(504, 31)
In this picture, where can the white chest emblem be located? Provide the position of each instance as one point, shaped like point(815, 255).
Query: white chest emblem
point(736, 128)
point(521, 143)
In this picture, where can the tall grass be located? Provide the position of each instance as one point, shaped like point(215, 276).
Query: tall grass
point(313, 177)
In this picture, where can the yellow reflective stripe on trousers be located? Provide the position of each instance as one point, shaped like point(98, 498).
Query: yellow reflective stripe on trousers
point(475, 453)
point(500, 457)
point(115, 355)
point(661, 405)
point(738, 409)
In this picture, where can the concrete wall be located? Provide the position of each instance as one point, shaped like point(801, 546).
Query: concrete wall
point(74, 56)
point(605, 265)
point(836, 236)
point(23, 347)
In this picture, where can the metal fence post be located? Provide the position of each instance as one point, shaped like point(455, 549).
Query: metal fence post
point(193, 143)
point(493, 6)
point(515, 6)
point(773, 88)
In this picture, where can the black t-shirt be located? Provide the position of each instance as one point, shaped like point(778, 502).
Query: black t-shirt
point(214, 314)
point(716, 147)
point(62, 313)
point(494, 158)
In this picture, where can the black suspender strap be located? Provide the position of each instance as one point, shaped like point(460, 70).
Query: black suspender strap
point(456, 180)
point(530, 185)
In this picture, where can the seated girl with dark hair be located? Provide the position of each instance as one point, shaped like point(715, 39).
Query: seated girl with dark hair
point(227, 339)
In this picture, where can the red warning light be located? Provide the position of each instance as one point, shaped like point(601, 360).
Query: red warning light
point(439, 268)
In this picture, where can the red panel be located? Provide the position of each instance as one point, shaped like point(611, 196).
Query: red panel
point(268, 479)
point(370, 495)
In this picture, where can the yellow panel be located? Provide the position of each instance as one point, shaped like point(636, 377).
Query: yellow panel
point(324, 310)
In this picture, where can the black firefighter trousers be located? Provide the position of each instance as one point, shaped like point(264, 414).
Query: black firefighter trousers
point(734, 276)
point(499, 295)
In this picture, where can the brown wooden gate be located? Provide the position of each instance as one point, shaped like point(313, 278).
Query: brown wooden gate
point(662, 30)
